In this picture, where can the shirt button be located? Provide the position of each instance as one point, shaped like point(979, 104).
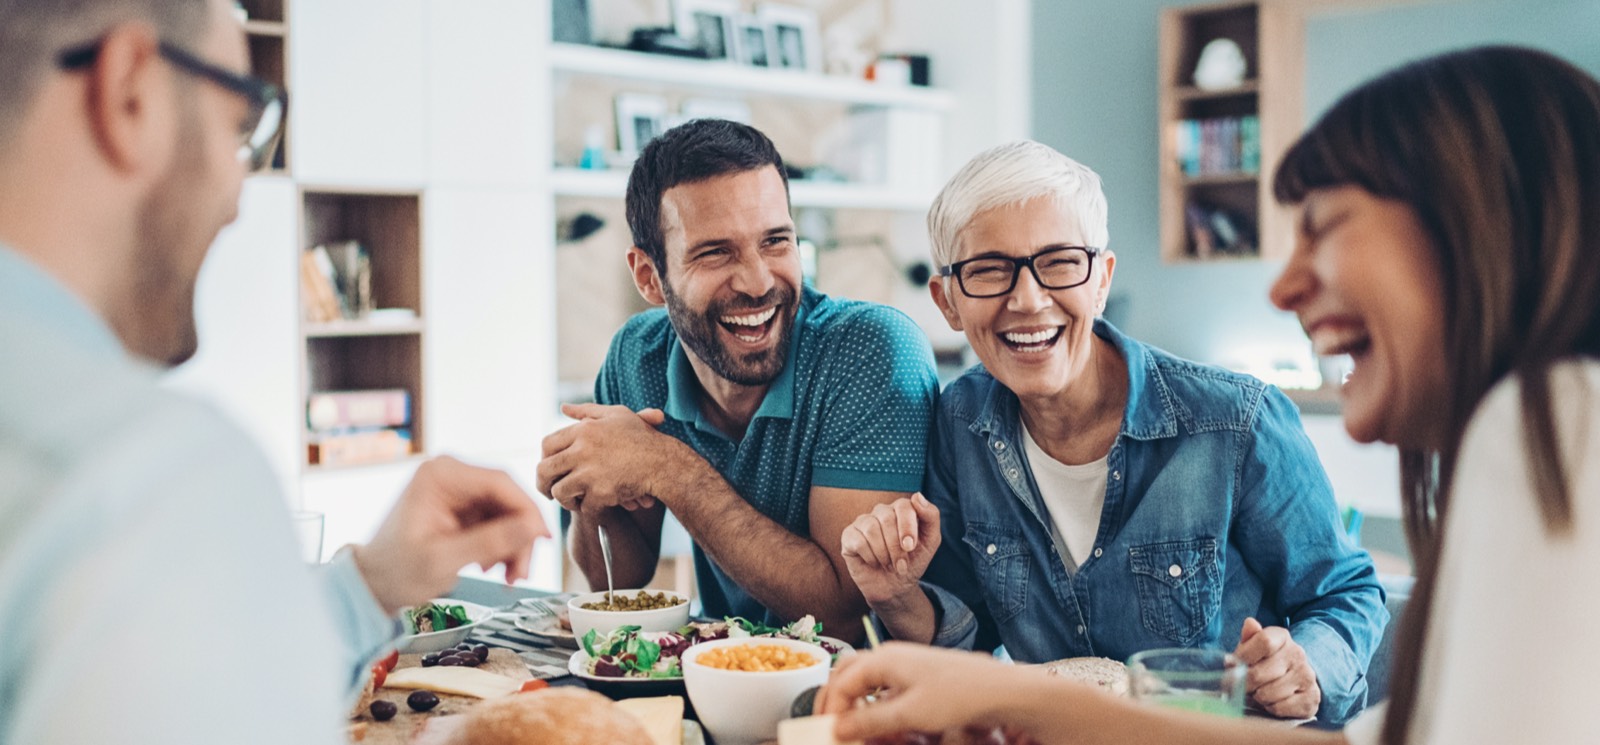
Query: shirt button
point(999, 445)
point(1012, 473)
point(1080, 629)
point(1174, 570)
point(1116, 475)
point(990, 550)
point(1097, 553)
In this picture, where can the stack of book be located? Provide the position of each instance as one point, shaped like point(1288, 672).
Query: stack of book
point(1226, 145)
point(355, 427)
point(336, 282)
point(1216, 231)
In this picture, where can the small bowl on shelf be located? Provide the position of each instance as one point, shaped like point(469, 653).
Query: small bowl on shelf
point(669, 618)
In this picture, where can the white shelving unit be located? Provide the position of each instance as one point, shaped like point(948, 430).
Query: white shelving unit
point(727, 77)
point(613, 184)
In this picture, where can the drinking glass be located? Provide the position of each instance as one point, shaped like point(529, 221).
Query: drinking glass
point(308, 529)
point(1205, 680)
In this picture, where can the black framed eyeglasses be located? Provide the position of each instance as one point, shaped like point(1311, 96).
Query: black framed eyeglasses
point(1057, 268)
point(258, 134)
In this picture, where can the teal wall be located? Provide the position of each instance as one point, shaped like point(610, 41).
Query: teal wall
point(1094, 98)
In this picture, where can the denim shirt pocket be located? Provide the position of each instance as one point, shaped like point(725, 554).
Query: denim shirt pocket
point(1001, 566)
point(1180, 587)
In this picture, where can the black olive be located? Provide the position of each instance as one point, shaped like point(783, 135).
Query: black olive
point(470, 661)
point(383, 711)
point(422, 700)
point(430, 659)
point(465, 647)
point(449, 661)
point(482, 651)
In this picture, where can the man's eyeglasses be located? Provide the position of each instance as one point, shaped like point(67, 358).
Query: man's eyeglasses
point(992, 276)
point(258, 135)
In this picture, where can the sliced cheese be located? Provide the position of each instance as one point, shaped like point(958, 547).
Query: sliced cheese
point(462, 681)
point(662, 717)
point(809, 731)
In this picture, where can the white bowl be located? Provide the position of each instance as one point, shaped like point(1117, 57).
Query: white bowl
point(434, 641)
point(739, 707)
point(606, 621)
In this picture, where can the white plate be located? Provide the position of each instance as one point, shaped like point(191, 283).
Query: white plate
point(692, 734)
point(434, 641)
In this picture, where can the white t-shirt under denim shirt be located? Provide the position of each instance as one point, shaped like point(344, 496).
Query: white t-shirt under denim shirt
point(150, 587)
point(1513, 645)
point(1074, 495)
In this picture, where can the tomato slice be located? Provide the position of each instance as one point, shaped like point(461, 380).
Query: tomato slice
point(389, 662)
point(534, 685)
point(378, 676)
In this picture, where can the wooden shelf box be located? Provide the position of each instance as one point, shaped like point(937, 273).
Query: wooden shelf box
point(353, 355)
point(1270, 36)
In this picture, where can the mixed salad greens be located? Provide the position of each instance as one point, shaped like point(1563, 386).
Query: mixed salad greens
point(434, 617)
point(628, 652)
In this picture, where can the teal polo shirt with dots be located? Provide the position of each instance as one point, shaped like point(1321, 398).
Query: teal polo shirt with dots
point(851, 409)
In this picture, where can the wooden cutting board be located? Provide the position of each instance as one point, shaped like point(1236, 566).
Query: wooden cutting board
point(405, 724)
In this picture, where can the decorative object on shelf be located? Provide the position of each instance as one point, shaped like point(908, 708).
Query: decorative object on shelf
point(594, 153)
point(1216, 231)
point(352, 270)
point(662, 40)
point(750, 42)
point(640, 117)
point(1221, 65)
point(709, 23)
point(578, 227)
point(569, 21)
point(795, 41)
point(891, 71)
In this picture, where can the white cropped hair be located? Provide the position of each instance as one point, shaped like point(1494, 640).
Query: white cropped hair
point(1011, 174)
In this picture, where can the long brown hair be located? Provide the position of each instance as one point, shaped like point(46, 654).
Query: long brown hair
point(1497, 150)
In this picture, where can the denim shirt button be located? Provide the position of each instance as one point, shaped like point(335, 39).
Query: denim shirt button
point(1116, 475)
point(1097, 553)
point(1080, 629)
point(998, 445)
point(1174, 570)
point(1012, 473)
point(990, 550)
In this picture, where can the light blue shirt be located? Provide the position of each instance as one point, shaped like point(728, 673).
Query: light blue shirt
point(150, 590)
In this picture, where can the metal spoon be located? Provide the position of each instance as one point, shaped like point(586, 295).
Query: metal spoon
point(605, 553)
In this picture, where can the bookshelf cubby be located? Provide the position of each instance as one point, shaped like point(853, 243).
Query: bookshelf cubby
point(266, 29)
point(360, 354)
point(1233, 136)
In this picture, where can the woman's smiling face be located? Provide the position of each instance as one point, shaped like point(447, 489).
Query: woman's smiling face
point(1364, 282)
point(1034, 340)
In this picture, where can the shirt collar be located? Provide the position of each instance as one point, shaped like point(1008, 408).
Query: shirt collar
point(683, 388)
point(1149, 414)
point(30, 293)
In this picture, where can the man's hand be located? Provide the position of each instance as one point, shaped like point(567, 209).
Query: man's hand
point(610, 458)
point(451, 515)
point(1281, 679)
point(888, 549)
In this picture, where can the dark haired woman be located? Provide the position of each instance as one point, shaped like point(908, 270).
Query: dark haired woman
point(1449, 217)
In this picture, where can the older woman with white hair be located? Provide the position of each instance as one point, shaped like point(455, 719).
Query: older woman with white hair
point(1091, 495)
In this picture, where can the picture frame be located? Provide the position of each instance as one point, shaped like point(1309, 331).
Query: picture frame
point(793, 39)
point(710, 23)
point(752, 43)
point(641, 117)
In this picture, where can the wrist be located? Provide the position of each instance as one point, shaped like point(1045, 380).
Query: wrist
point(374, 579)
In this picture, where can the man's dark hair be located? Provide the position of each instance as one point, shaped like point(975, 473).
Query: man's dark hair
point(693, 151)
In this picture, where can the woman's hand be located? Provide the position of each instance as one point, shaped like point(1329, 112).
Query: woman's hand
point(888, 549)
point(1281, 679)
point(924, 690)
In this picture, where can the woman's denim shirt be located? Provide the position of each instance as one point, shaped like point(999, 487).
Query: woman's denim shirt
point(1216, 509)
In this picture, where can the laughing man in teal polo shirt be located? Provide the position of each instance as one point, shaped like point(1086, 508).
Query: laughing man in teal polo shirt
point(765, 415)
